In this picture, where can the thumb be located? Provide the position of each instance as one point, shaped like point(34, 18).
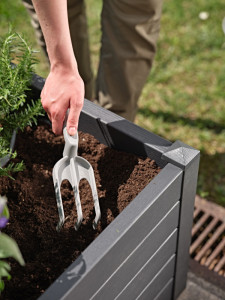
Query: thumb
point(72, 121)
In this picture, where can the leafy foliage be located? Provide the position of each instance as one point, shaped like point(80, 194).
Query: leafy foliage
point(8, 246)
point(15, 111)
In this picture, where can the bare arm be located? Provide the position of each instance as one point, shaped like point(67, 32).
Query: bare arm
point(64, 87)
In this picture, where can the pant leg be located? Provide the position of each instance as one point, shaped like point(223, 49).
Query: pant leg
point(79, 37)
point(80, 41)
point(35, 23)
point(130, 30)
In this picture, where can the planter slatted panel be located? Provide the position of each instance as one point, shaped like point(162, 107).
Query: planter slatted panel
point(146, 282)
point(141, 218)
point(154, 287)
point(144, 252)
point(129, 271)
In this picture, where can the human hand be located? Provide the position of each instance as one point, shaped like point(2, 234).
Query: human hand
point(63, 89)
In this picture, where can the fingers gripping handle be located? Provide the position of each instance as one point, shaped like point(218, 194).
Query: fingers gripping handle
point(71, 142)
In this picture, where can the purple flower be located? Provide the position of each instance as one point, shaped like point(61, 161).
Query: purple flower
point(3, 212)
point(3, 222)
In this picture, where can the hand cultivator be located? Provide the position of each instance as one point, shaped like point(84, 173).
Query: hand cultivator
point(74, 168)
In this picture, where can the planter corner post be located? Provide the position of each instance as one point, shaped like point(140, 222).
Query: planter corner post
point(186, 158)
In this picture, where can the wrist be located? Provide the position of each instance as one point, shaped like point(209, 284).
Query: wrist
point(61, 56)
point(64, 67)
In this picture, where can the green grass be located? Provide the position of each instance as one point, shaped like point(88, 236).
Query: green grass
point(184, 94)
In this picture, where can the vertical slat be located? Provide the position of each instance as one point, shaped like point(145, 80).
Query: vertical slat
point(187, 158)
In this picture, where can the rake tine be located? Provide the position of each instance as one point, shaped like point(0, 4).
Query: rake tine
point(75, 185)
point(57, 183)
point(95, 197)
point(60, 208)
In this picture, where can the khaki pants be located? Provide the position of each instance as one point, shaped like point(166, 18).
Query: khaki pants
point(130, 30)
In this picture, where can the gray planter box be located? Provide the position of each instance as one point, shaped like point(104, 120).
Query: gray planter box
point(144, 252)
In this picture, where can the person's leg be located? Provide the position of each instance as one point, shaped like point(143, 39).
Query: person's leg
point(80, 41)
point(79, 36)
point(35, 23)
point(129, 35)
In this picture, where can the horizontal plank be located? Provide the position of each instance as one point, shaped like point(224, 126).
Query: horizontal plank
point(129, 137)
point(163, 276)
point(167, 292)
point(146, 282)
point(121, 134)
point(142, 253)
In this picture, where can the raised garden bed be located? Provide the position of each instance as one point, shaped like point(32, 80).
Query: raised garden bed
point(143, 253)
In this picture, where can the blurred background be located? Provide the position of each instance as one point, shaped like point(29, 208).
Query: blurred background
point(184, 97)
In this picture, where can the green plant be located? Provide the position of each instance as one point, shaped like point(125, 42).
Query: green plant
point(8, 246)
point(15, 111)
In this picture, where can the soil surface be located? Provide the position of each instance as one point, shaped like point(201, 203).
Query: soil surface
point(33, 212)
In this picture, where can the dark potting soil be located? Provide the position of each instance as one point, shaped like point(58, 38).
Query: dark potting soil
point(33, 212)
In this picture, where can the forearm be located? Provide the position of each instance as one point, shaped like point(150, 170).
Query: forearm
point(64, 88)
point(52, 15)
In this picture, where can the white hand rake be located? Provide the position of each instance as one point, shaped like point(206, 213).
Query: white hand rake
point(74, 168)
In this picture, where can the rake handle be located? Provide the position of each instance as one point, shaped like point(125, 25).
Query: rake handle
point(71, 142)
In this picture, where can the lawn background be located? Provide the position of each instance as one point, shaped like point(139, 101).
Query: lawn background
point(184, 95)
